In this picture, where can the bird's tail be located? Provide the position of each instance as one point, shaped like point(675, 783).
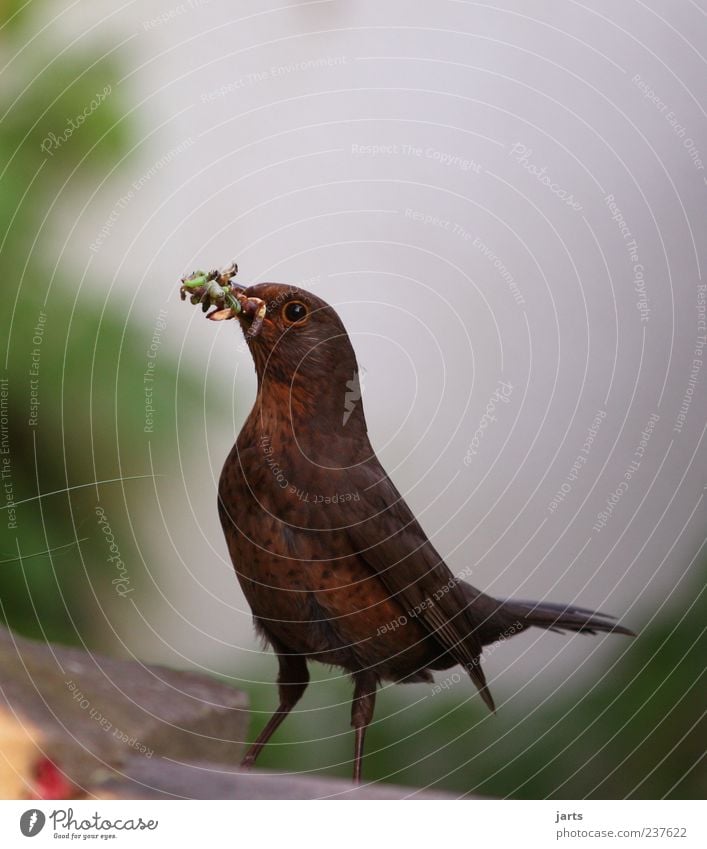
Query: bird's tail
point(557, 617)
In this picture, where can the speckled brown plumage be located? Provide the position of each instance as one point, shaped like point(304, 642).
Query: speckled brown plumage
point(330, 558)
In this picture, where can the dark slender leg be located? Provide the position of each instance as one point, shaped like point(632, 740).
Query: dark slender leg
point(364, 702)
point(292, 682)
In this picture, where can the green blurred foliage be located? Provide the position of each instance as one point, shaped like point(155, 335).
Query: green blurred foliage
point(89, 360)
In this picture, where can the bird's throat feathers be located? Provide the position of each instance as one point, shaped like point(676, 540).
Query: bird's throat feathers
point(317, 409)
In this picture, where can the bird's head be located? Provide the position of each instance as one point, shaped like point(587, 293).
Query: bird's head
point(302, 347)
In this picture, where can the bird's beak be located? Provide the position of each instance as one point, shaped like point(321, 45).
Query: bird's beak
point(252, 315)
point(249, 311)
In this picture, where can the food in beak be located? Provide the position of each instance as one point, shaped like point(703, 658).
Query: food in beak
point(215, 289)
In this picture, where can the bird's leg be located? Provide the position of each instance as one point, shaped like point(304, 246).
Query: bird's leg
point(362, 706)
point(292, 681)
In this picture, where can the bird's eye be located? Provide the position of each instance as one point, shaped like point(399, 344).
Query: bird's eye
point(295, 312)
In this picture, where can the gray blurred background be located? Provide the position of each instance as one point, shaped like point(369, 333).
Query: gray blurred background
point(490, 195)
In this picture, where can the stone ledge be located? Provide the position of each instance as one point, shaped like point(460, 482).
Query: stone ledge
point(74, 724)
point(161, 779)
point(88, 715)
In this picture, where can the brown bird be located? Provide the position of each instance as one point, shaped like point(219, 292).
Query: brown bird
point(332, 561)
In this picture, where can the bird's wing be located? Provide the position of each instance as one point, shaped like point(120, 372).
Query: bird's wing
point(390, 540)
